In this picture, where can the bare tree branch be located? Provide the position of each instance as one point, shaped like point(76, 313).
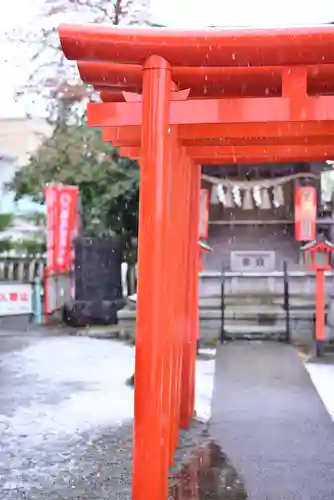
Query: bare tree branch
point(46, 66)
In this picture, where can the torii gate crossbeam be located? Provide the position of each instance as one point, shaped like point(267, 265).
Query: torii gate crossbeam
point(175, 100)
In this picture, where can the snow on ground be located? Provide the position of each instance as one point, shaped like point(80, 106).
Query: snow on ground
point(205, 371)
point(322, 376)
point(59, 394)
point(78, 384)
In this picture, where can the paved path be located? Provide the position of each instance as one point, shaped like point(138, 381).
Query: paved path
point(271, 423)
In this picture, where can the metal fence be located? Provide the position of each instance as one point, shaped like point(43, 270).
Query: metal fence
point(27, 270)
point(21, 270)
point(281, 289)
point(290, 289)
point(50, 292)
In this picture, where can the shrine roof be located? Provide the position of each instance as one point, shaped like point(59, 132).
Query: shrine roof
point(316, 246)
point(229, 48)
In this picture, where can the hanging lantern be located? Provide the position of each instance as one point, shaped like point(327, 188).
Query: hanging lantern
point(266, 201)
point(214, 200)
point(305, 213)
point(248, 200)
point(278, 195)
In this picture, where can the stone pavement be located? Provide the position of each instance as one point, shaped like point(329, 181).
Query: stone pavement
point(271, 423)
point(48, 449)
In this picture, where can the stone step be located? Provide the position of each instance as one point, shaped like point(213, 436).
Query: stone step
point(260, 306)
point(231, 328)
point(255, 327)
point(237, 329)
point(214, 303)
point(256, 301)
point(241, 314)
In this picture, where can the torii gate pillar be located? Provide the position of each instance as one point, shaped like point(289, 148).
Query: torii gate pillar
point(167, 288)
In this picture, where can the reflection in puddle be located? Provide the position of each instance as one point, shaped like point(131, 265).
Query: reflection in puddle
point(209, 475)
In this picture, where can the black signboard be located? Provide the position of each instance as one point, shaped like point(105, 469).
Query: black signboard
point(98, 269)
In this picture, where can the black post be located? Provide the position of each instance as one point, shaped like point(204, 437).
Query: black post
point(318, 343)
point(286, 302)
point(222, 309)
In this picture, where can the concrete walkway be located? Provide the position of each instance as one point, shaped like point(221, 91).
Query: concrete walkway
point(271, 423)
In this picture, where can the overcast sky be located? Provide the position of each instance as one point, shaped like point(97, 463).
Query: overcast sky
point(174, 13)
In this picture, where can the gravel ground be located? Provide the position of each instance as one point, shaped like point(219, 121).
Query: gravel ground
point(86, 469)
point(35, 465)
point(54, 447)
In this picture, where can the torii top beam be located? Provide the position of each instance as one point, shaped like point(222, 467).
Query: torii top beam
point(263, 78)
point(266, 47)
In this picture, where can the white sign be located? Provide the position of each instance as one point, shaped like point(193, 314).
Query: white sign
point(64, 216)
point(15, 299)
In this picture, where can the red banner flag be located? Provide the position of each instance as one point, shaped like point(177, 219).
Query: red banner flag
point(62, 215)
point(305, 213)
point(66, 225)
point(51, 199)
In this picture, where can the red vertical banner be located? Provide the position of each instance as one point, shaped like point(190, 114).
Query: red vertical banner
point(62, 225)
point(305, 213)
point(51, 199)
point(66, 226)
point(204, 214)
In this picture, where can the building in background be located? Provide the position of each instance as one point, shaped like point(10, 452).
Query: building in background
point(19, 138)
point(248, 233)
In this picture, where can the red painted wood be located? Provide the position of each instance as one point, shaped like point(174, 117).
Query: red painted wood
point(320, 305)
point(217, 111)
point(250, 154)
point(151, 422)
point(310, 45)
point(275, 132)
point(305, 198)
point(251, 81)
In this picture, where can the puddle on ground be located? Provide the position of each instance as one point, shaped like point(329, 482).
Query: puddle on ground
point(208, 476)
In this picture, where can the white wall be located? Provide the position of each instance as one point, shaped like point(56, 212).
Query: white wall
point(22, 136)
point(7, 169)
point(19, 137)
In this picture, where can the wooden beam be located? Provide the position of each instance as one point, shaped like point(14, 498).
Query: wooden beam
point(248, 47)
point(246, 141)
point(99, 73)
point(217, 111)
point(322, 150)
point(216, 155)
point(234, 131)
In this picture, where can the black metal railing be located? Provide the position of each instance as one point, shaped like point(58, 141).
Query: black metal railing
point(320, 345)
point(286, 303)
point(222, 309)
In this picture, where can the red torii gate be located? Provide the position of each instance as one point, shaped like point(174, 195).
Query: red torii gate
point(176, 100)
